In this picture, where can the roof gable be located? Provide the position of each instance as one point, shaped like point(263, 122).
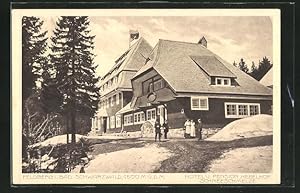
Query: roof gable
point(131, 60)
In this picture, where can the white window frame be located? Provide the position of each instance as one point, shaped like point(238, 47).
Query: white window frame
point(142, 117)
point(117, 99)
point(108, 122)
point(237, 109)
point(118, 121)
point(222, 81)
point(126, 123)
point(151, 118)
point(200, 108)
point(112, 101)
point(112, 120)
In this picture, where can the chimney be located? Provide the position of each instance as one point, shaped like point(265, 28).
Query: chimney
point(133, 37)
point(203, 42)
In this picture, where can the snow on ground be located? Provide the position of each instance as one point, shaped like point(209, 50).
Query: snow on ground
point(258, 125)
point(244, 160)
point(133, 160)
point(60, 139)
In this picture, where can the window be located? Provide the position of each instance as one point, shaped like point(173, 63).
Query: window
point(150, 87)
point(199, 103)
point(158, 85)
point(226, 82)
point(118, 121)
point(231, 109)
point(153, 84)
point(139, 117)
point(254, 110)
point(151, 114)
point(117, 99)
point(223, 81)
point(112, 101)
point(112, 121)
point(243, 110)
point(128, 120)
point(239, 110)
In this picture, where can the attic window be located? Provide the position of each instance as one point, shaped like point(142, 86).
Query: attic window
point(223, 81)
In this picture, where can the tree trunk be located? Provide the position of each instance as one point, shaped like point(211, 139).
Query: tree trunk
point(73, 130)
point(68, 127)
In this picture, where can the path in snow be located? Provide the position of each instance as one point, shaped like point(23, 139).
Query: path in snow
point(135, 160)
point(244, 160)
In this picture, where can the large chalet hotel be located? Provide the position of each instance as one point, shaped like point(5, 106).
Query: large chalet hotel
point(176, 81)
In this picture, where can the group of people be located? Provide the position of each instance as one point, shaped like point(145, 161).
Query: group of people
point(159, 128)
point(191, 127)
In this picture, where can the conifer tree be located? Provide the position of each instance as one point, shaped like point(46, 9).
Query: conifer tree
point(243, 66)
point(72, 59)
point(34, 45)
point(264, 66)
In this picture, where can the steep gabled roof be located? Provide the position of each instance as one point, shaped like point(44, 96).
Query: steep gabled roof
point(128, 64)
point(174, 63)
point(131, 59)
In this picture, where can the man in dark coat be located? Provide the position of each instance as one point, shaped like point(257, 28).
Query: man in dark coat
point(166, 129)
point(157, 129)
point(199, 128)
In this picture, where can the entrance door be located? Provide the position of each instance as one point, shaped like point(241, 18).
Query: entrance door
point(104, 124)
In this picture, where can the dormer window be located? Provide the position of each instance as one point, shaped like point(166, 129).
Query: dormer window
point(223, 81)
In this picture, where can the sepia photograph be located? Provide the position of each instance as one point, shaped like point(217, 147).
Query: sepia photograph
point(146, 96)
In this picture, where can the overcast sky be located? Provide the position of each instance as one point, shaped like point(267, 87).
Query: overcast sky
point(232, 38)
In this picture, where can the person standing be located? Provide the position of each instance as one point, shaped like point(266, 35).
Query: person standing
point(187, 126)
point(166, 129)
point(157, 129)
point(193, 129)
point(199, 129)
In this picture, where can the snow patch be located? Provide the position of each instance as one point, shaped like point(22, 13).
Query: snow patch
point(244, 160)
point(60, 139)
point(133, 160)
point(254, 126)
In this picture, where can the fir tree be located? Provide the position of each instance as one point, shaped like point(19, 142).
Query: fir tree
point(243, 66)
point(254, 71)
point(264, 66)
point(74, 68)
point(34, 45)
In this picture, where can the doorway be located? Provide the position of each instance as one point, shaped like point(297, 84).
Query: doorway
point(104, 124)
